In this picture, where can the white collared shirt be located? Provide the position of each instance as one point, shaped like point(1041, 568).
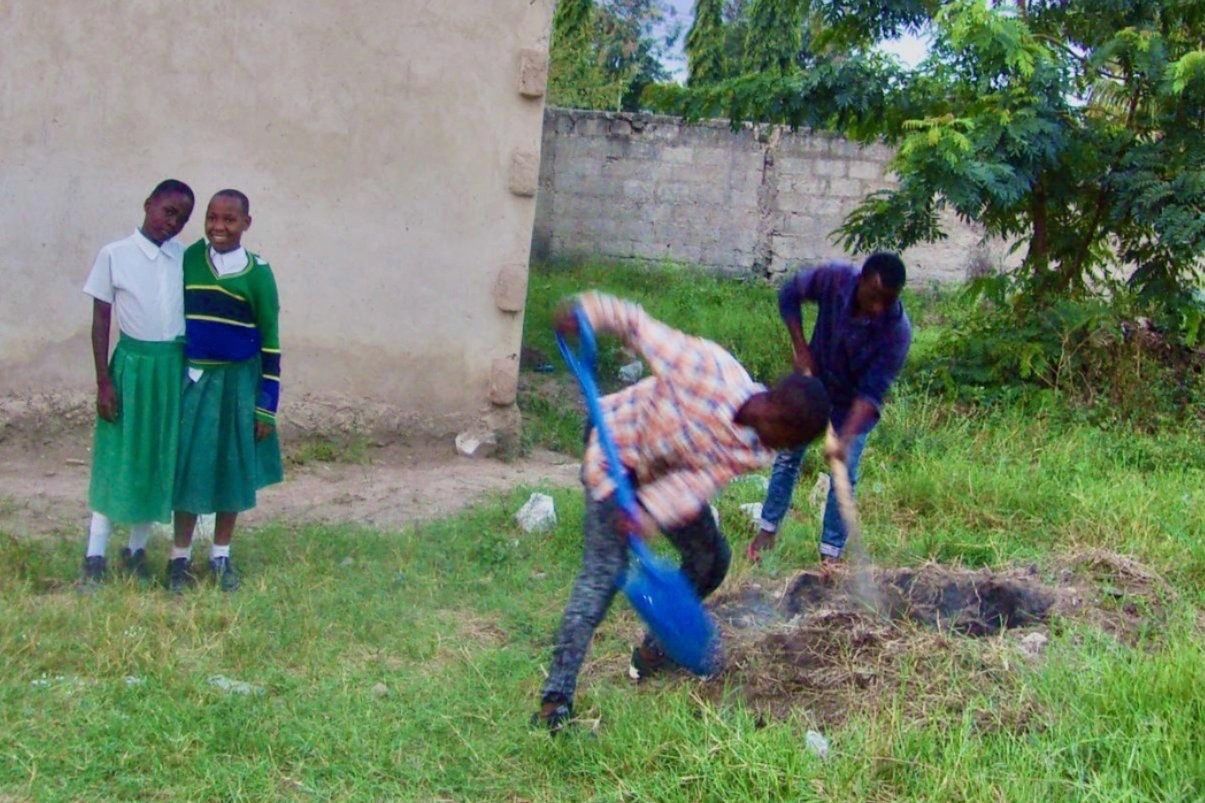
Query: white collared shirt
point(145, 284)
point(230, 262)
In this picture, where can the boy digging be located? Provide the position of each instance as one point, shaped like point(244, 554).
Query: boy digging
point(138, 390)
point(681, 434)
point(858, 346)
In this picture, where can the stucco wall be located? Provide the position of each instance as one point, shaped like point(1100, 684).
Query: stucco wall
point(758, 199)
point(381, 142)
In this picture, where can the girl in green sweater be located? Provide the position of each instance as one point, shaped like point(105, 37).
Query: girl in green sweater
point(228, 443)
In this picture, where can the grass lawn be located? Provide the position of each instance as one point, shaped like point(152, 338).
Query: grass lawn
point(410, 670)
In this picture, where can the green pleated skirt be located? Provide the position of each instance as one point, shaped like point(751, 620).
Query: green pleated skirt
point(134, 457)
point(220, 465)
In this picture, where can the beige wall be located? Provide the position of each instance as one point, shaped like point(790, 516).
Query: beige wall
point(374, 137)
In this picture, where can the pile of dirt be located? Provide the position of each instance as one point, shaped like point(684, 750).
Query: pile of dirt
point(829, 647)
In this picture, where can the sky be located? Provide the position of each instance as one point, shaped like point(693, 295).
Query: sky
point(909, 49)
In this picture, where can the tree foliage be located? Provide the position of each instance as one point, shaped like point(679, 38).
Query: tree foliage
point(1071, 127)
point(705, 44)
point(577, 74)
point(603, 54)
point(775, 36)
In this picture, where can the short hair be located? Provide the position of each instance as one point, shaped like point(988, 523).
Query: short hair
point(243, 200)
point(173, 186)
point(803, 405)
point(889, 267)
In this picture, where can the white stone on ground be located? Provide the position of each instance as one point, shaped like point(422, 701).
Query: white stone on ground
point(478, 442)
point(538, 514)
point(631, 372)
point(817, 744)
point(1034, 644)
point(753, 511)
point(234, 686)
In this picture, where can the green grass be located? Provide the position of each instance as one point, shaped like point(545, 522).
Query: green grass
point(455, 619)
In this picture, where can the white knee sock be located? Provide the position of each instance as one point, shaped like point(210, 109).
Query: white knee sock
point(182, 552)
point(219, 551)
point(140, 534)
point(98, 535)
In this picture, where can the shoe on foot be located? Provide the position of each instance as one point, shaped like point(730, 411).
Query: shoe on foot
point(134, 563)
point(179, 575)
point(94, 570)
point(648, 660)
point(224, 574)
point(555, 713)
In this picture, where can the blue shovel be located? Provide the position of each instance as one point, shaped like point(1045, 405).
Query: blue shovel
point(657, 589)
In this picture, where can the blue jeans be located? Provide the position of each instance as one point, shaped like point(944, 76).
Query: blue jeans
point(782, 485)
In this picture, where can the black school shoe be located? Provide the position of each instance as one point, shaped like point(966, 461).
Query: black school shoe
point(555, 713)
point(179, 575)
point(94, 571)
point(224, 574)
point(134, 564)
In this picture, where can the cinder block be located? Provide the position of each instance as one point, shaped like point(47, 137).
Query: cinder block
point(648, 250)
point(711, 157)
point(861, 169)
point(792, 166)
point(591, 125)
point(642, 150)
point(620, 127)
point(797, 222)
point(680, 154)
point(830, 167)
point(846, 188)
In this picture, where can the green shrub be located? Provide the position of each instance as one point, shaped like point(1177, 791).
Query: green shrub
point(1103, 356)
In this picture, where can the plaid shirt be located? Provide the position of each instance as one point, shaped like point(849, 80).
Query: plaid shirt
point(674, 430)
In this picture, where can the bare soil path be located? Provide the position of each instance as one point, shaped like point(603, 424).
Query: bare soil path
point(44, 484)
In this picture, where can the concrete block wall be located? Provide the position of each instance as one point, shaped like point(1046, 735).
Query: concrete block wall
point(759, 199)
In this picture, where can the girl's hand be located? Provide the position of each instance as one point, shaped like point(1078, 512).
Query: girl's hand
point(262, 430)
point(106, 401)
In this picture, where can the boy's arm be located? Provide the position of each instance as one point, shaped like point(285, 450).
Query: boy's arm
point(809, 284)
point(790, 308)
point(106, 394)
point(873, 387)
point(267, 320)
point(661, 346)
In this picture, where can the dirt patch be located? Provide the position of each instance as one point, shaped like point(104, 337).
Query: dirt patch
point(45, 460)
point(974, 604)
point(831, 647)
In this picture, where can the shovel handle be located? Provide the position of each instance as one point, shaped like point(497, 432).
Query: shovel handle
point(582, 365)
point(843, 489)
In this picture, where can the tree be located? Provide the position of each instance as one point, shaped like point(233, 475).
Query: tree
point(636, 36)
point(1074, 127)
point(775, 36)
point(603, 54)
point(705, 44)
point(577, 74)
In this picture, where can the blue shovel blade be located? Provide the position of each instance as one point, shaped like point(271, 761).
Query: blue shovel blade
point(667, 603)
